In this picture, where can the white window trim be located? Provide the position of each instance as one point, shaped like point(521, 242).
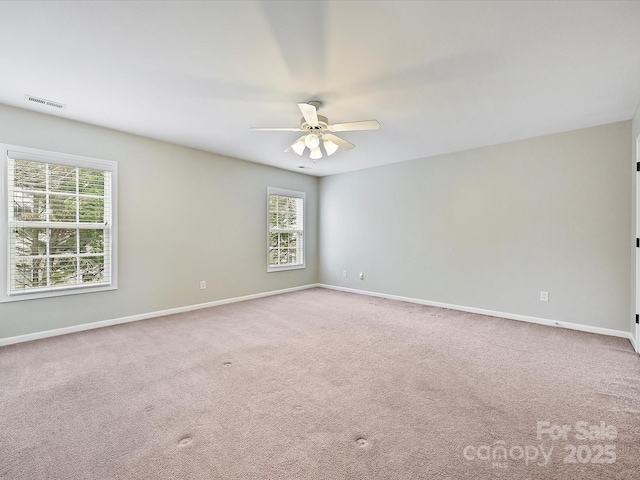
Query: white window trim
point(295, 194)
point(26, 153)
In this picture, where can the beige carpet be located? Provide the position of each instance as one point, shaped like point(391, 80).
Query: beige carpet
point(321, 384)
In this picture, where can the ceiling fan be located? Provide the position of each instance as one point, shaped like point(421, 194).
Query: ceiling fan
point(317, 129)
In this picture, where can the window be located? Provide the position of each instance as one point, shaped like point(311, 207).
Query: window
point(58, 215)
point(285, 229)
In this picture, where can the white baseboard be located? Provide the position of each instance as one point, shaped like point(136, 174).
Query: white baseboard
point(510, 316)
point(143, 316)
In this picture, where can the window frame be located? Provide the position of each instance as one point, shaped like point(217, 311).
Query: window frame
point(44, 156)
point(294, 194)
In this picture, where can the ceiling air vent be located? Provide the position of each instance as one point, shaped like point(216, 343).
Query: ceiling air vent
point(42, 101)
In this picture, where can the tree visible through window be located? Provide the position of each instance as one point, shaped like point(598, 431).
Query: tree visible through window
point(59, 226)
point(286, 229)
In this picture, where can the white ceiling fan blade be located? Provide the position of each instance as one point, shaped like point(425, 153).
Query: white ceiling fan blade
point(309, 113)
point(351, 126)
point(341, 142)
point(276, 129)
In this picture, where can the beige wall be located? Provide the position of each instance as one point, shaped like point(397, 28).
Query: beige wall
point(490, 228)
point(184, 216)
point(486, 228)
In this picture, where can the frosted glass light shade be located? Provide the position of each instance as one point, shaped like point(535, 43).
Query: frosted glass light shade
point(298, 146)
point(312, 141)
point(316, 153)
point(330, 147)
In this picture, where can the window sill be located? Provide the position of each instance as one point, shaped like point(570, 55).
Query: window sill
point(17, 297)
point(285, 267)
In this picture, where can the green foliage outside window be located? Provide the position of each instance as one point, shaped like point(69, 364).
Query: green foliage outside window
point(285, 230)
point(74, 198)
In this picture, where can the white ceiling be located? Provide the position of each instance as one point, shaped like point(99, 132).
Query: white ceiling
point(438, 76)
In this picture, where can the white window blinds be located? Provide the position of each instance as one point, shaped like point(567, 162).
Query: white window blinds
point(60, 224)
point(285, 229)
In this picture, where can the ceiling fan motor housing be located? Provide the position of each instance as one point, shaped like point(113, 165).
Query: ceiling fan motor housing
point(319, 127)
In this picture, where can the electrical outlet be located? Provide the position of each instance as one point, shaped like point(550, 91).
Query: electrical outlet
point(361, 275)
point(344, 273)
point(544, 296)
point(203, 284)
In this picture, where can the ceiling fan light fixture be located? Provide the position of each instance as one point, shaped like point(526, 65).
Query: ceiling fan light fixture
point(330, 147)
point(298, 146)
point(316, 153)
point(312, 141)
point(317, 130)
